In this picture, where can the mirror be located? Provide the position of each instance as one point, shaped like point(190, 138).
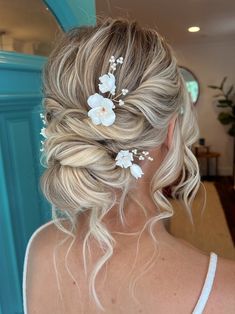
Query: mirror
point(191, 83)
point(27, 27)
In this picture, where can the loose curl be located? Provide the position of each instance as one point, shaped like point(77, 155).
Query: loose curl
point(81, 173)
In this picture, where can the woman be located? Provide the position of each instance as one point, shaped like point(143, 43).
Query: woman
point(119, 127)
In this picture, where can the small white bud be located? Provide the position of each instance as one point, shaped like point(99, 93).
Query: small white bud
point(124, 91)
point(112, 59)
point(120, 60)
point(43, 133)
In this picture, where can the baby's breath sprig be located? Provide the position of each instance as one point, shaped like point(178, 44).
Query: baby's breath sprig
point(112, 68)
point(125, 159)
point(43, 118)
point(142, 155)
point(113, 63)
point(120, 101)
point(43, 133)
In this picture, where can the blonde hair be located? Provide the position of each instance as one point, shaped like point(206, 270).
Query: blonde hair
point(81, 173)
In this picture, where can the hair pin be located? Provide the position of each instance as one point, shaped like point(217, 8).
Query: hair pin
point(124, 159)
point(102, 107)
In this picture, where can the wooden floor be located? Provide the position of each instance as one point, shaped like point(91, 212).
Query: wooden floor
point(213, 228)
point(224, 186)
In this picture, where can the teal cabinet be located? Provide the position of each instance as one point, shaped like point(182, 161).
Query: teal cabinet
point(72, 13)
point(22, 206)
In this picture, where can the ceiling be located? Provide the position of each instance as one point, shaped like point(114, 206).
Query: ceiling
point(216, 18)
point(28, 20)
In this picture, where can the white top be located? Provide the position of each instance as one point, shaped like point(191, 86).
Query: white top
point(207, 287)
point(201, 303)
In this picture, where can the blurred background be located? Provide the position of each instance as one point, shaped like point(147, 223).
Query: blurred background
point(202, 35)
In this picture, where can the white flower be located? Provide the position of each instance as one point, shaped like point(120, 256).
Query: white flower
point(136, 171)
point(107, 83)
point(145, 153)
point(43, 132)
point(42, 148)
point(101, 112)
point(43, 118)
point(124, 91)
point(120, 60)
point(121, 102)
point(112, 59)
point(113, 66)
point(124, 158)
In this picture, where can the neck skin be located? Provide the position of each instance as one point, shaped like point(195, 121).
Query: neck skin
point(134, 215)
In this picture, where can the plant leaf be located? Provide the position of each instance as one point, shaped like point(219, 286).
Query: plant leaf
point(230, 90)
point(226, 118)
point(231, 131)
point(223, 106)
point(213, 86)
point(225, 101)
point(223, 81)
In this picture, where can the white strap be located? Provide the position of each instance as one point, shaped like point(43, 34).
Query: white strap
point(201, 303)
point(26, 262)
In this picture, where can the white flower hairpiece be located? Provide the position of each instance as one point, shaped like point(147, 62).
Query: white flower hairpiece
point(124, 159)
point(181, 112)
point(101, 112)
point(102, 108)
point(43, 133)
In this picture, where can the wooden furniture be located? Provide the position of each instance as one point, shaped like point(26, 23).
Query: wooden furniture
point(203, 151)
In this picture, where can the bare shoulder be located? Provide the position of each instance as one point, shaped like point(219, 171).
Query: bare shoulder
point(222, 298)
point(40, 277)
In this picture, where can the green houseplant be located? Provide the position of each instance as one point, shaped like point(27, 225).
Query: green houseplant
point(225, 100)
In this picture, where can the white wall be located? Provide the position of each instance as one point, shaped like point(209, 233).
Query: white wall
point(210, 62)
